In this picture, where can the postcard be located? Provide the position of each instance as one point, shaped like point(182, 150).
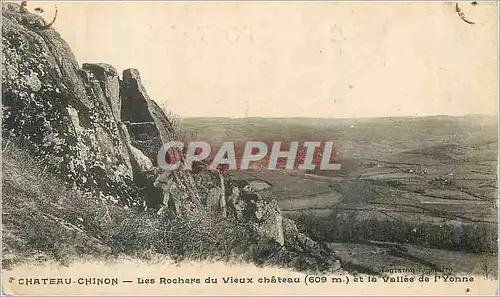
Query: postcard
point(249, 148)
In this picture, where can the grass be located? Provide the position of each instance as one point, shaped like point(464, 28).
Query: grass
point(43, 219)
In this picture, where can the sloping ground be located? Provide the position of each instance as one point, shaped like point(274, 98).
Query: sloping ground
point(38, 219)
point(44, 220)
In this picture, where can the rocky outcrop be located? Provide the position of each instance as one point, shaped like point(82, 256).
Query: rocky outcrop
point(107, 77)
point(147, 123)
point(98, 132)
point(61, 111)
point(211, 190)
point(102, 135)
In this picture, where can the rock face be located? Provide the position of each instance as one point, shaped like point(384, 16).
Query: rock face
point(211, 187)
point(63, 112)
point(102, 134)
point(147, 124)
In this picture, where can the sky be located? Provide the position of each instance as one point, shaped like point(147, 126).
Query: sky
point(295, 59)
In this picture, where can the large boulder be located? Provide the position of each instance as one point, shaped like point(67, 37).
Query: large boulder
point(246, 204)
point(147, 123)
point(178, 192)
point(61, 110)
point(140, 163)
point(107, 76)
point(211, 190)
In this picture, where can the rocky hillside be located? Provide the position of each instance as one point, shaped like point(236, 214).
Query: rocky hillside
point(99, 132)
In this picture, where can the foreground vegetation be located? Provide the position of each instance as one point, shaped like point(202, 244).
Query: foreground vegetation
point(43, 219)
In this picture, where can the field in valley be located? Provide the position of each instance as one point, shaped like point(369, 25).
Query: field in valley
point(422, 183)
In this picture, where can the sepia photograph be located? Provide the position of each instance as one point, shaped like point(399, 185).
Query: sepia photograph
point(249, 148)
